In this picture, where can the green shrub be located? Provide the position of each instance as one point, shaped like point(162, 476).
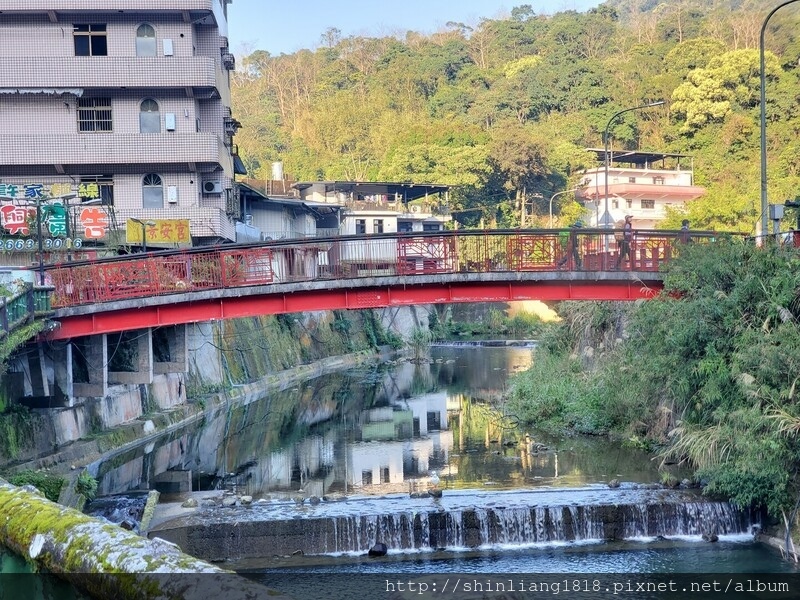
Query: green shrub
point(86, 485)
point(555, 394)
point(49, 484)
point(419, 341)
point(524, 325)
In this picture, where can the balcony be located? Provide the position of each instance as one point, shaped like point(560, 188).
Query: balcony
point(638, 191)
point(199, 72)
point(58, 6)
point(113, 150)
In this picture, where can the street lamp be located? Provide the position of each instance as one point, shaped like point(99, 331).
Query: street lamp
point(607, 216)
point(762, 67)
point(144, 225)
point(553, 197)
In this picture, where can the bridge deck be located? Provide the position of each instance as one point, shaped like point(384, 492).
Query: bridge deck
point(356, 272)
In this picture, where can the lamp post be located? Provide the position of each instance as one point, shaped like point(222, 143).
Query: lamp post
point(607, 216)
point(144, 225)
point(762, 69)
point(553, 197)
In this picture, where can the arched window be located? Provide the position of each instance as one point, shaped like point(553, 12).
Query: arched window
point(145, 40)
point(149, 117)
point(152, 191)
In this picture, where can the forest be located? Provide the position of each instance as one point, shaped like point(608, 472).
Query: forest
point(504, 109)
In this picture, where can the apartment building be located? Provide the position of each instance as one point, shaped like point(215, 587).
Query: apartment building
point(642, 184)
point(112, 111)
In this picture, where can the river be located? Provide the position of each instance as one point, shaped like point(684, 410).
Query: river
point(374, 435)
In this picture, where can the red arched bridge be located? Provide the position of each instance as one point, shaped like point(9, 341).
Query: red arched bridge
point(356, 272)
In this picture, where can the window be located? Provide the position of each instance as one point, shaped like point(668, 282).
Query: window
point(434, 421)
point(631, 179)
point(90, 40)
point(648, 204)
point(94, 189)
point(94, 114)
point(615, 203)
point(377, 226)
point(149, 117)
point(361, 226)
point(404, 226)
point(658, 181)
point(431, 227)
point(152, 191)
point(145, 40)
point(629, 203)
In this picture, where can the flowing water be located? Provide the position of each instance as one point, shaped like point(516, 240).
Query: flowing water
point(350, 457)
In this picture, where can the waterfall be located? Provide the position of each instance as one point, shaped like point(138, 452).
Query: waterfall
point(519, 526)
point(487, 343)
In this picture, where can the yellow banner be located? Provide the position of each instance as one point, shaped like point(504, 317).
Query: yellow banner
point(158, 231)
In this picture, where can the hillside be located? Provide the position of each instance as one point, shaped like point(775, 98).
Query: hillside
point(505, 110)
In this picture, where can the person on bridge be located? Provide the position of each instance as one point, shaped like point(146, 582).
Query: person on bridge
point(625, 241)
point(684, 237)
point(573, 247)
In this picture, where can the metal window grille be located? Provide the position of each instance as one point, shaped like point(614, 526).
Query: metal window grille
point(94, 114)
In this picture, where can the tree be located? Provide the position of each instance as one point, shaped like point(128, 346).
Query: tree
point(522, 161)
point(729, 82)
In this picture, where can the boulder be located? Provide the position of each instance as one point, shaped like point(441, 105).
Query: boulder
point(378, 549)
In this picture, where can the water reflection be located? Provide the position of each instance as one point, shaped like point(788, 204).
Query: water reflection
point(375, 431)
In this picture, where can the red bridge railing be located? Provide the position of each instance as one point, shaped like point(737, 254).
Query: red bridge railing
point(355, 257)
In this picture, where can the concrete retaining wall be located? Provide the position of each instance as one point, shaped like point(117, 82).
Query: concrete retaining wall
point(56, 430)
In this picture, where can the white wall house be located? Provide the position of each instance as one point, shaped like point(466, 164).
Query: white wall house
point(642, 184)
point(376, 208)
point(382, 207)
point(271, 217)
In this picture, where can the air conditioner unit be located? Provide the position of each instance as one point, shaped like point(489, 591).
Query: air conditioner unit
point(231, 126)
point(228, 61)
point(212, 187)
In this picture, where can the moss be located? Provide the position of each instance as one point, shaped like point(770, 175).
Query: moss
point(17, 428)
point(80, 544)
point(149, 511)
point(119, 436)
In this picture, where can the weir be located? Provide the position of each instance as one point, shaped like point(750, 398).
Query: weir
point(456, 522)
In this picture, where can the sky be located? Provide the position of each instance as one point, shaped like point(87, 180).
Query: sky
point(291, 25)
